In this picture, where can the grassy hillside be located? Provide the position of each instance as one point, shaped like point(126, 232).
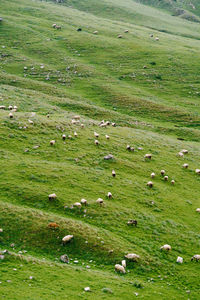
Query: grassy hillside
point(150, 89)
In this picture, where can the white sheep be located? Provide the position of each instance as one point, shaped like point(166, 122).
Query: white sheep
point(109, 195)
point(157, 38)
point(54, 25)
point(96, 134)
point(96, 142)
point(197, 171)
point(69, 137)
point(77, 204)
point(166, 247)
point(64, 137)
point(126, 31)
point(113, 173)
point(119, 268)
point(184, 151)
point(132, 257)
point(150, 184)
point(31, 122)
point(113, 124)
point(100, 201)
point(153, 175)
point(84, 202)
point(181, 154)
point(95, 32)
point(52, 196)
point(124, 263)
point(173, 182)
point(52, 142)
point(198, 210)
point(162, 172)
point(148, 156)
point(196, 257)
point(82, 125)
point(107, 137)
point(185, 166)
point(77, 117)
point(10, 107)
point(67, 239)
point(75, 134)
point(166, 178)
point(179, 260)
point(119, 36)
point(10, 115)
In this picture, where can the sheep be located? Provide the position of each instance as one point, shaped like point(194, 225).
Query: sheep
point(67, 239)
point(31, 122)
point(96, 142)
point(151, 35)
point(52, 142)
point(109, 195)
point(150, 184)
point(185, 166)
point(184, 151)
point(77, 204)
point(119, 268)
point(2, 107)
point(166, 247)
point(10, 115)
point(76, 117)
point(166, 178)
point(10, 107)
point(69, 137)
point(157, 38)
point(54, 25)
point(82, 125)
point(15, 108)
point(128, 147)
point(58, 27)
point(162, 172)
point(132, 149)
point(198, 210)
point(100, 201)
point(144, 67)
point(196, 257)
point(113, 173)
point(148, 156)
point(107, 137)
point(126, 31)
point(119, 36)
point(124, 263)
point(113, 124)
point(179, 260)
point(64, 137)
point(95, 32)
point(52, 196)
point(132, 257)
point(84, 202)
point(132, 222)
point(197, 171)
point(53, 225)
point(75, 134)
point(96, 134)
point(181, 154)
point(173, 182)
point(153, 175)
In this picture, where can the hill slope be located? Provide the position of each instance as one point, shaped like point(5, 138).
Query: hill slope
point(150, 89)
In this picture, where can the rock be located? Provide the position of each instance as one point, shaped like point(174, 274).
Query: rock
point(109, 156)
point(87, 289)
point(64, 258)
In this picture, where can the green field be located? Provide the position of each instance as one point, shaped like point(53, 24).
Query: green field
point(151, 89)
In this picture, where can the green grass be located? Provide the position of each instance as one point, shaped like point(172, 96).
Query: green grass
point(156, 108)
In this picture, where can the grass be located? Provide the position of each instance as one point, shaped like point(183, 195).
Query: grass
point(157, 108)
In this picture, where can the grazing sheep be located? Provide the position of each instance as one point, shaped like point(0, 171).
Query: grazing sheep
point(76, 117)
point(52, 196)
point(198, 210)
point(10, 107)
point(179, 260)
point(151, 35)
point(82, 125)
point(128, 147)
point(69, 137)
point(84, 202)
point(196, 257)
point(119, 268)
point(10, 115)
point(52, 142)
point(54, 25)
point(53, 225)
point(95, 32)
point(181, 154)
point(108, 157)
point(184, 151)
point(15, 108)
point(197, 171)
point(100, 201)
point(77, 204)
point(148, 156)
point(113, 124)
point(58, 27)
point(2, 107)
point(113, 173)
point(173, 182)
point(119, 36)
point(153, 175)
point(96, 134)
point(132, 222)
point(31, 122)
point(185, 166)
point(103, 125)
point(96, 142)
point(75, 134)
point(64, 137)
point(67, 239)
point(150, 184)
point(157, 38)
point(126, 31)
point(166, 178)
point(107, 137)
point(124, 263)
point(144, 67)
point(166, 247)
point(109, 195)
point(162, 172)
point(132, 149)
point(132, 257)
